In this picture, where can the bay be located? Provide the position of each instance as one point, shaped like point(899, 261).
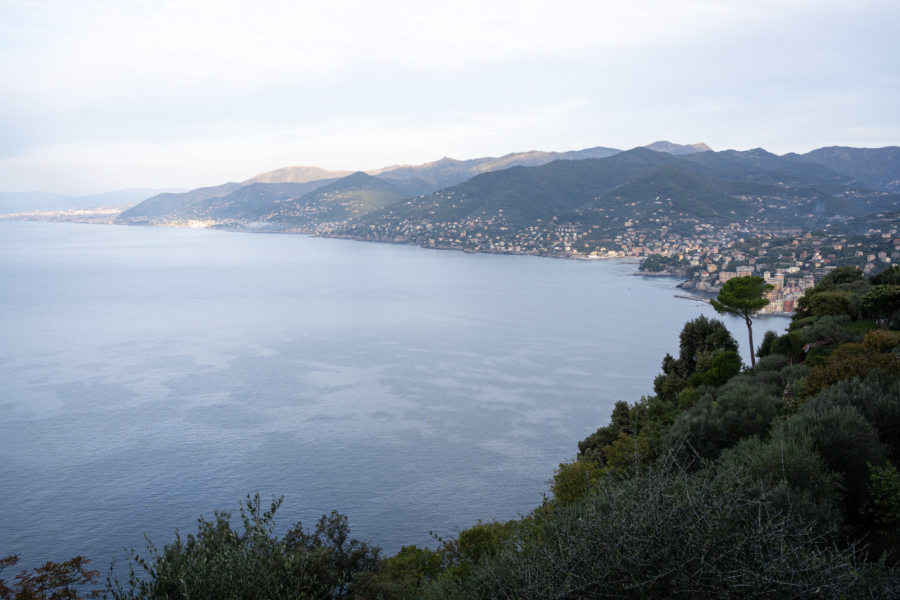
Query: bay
point(152, 375)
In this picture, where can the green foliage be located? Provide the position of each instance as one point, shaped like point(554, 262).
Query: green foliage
point(51, 581)
point(572, 481)
point(890, 276)
point(800, 481)
point(838, 293)
point(477, 544)
point(221, 563)
point(789, 345)
point(881, 302)
point(743, 296)
point(665, 533)
point(701, 341)
point(741, 409)
point(772, 362)
point(592, 446)
point(717, 369)
point(832, 430)
point(629, 451)
point(702, 335)
point(829, 330)
point(825, 304)
point(848, 363)
point(654, 263)
point(841, 276)
point(861, 326)
point(765, 347)
point(875, 396)
point(885, 485)
point(402, 576)
point(882, 341)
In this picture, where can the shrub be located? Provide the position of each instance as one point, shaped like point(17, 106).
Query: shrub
point(876, 398)
point(843, 366)
point(402, 576)
point(222, 563)
point(573, 480)
point(742, 408)
point(665, 533)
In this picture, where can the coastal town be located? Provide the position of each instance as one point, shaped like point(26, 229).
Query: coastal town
point(703, 254)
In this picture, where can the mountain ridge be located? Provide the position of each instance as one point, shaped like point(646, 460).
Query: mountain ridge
point(595, 186)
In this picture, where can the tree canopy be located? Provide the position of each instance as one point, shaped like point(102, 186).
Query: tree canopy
point(743, 296)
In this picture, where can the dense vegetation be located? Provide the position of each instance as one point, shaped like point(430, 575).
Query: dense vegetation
point(775, 481)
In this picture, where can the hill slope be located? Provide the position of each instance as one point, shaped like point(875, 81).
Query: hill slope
point(879, 168)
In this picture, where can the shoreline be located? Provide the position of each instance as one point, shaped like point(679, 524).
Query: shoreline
point(635, 260)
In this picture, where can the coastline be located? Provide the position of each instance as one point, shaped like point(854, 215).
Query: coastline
point(101, 217)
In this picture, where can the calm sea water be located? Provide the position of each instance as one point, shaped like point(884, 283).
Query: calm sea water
point(149, 376)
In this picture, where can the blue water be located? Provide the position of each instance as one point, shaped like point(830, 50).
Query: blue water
point(149, 376)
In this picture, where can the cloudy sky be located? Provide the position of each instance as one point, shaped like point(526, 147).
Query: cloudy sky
point(101, 95)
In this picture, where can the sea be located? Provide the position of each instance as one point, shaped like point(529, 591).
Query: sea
point(151, 376)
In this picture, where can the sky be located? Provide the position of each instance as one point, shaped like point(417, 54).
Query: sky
point(99, 95)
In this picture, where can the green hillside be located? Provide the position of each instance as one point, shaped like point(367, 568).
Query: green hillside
point(350, 197)
point(641, 189)
point(878, 168)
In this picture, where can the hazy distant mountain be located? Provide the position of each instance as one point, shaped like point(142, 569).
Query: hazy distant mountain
point(340, 200)
point(678, 149)
point(296, 175)
point(879, 168)
point(430, 177)
point(15, 202)
point(250, 201)
point(173, 206)
point(678, 185)
point(410, 180)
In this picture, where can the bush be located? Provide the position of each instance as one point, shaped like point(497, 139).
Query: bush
point(825, 304)
point(842, 366)
point(572, 481)
point(830, 330)
point(402, 576)
point(846, 442)
point(798, 477)
point(664, 533)
point(740, 409)
point(222, 563)
point(875, 396)
point(771, 362)
point(882, 341)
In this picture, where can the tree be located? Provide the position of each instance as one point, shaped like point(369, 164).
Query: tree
point(221, 562)
point(701, 337)
point(743, 296)
point(881, 302)
point(890, 276)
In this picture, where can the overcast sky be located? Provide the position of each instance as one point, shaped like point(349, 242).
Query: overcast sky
point(102, 95)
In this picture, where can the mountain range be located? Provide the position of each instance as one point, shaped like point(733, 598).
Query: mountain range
point(409, 181)
point(601, 190)
point(597, 193)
